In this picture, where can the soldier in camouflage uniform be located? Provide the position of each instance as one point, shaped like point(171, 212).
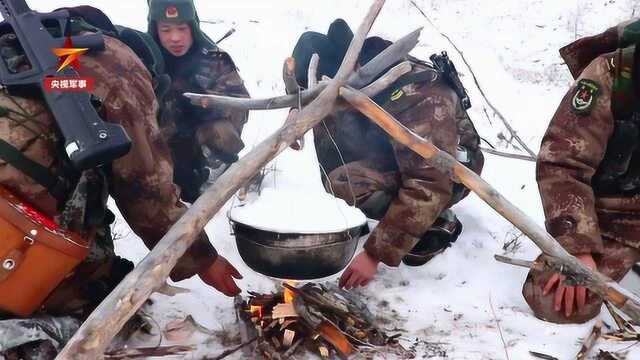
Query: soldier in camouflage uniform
point(203, 141)
point(588, 176)
point(139, 182)
point(385, 179)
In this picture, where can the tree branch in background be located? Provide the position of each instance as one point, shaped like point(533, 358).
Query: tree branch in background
point(507, 155)
point(506, 124)
point(590, 340)
point(391, 55)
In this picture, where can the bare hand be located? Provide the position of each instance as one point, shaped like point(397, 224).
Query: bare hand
point(567, 294)
point(360, 272)
point(220, 276)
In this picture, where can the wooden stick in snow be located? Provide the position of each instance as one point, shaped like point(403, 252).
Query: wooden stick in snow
point(387, 58)
point(228, 352)
point(590, 341)
point(542, 356)
point(386, 80)
point(508, 155)
point(289, 76)
point(139, 353)
point(107, 319)
point(521, 263)
point(624, 300)
point(292, 87)
point(312, 74)
point(495, 318)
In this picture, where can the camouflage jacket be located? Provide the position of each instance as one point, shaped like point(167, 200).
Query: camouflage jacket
point(579, 209)
point(140, 182)
point(205, 71)
point(432, 110)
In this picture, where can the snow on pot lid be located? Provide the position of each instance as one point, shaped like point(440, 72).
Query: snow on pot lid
point(298, 212)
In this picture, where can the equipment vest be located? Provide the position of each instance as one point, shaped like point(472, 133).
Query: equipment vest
point(619, 171)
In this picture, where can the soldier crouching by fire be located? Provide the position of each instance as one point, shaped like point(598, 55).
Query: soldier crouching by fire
point(39, 315)
point(589, 172)
point(385, 179)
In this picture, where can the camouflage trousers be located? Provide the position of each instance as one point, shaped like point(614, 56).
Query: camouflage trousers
point(38, 338)
point(615, 262)
point(371, 187)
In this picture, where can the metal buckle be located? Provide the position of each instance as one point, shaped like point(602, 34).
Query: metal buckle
point(29, 239)
point(9, 264)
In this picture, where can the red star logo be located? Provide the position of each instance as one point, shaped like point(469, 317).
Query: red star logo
point(69, 55)
point(171, 12)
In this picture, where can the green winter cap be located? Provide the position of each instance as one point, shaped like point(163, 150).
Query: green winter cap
point(172, 10)
point(178, 11)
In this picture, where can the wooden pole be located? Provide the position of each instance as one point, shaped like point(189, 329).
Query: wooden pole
point(312, 72)
point(366, 74)
point(598, 283)
point(95, 334)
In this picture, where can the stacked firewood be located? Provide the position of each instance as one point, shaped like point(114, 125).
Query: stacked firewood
point(323, 319)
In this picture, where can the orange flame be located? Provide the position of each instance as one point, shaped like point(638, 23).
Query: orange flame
point(288, 294)
point(256, 311)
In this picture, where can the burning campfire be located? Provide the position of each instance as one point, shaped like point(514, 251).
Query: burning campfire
point(319, 318)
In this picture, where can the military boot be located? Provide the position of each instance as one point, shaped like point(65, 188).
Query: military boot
point(439, 237)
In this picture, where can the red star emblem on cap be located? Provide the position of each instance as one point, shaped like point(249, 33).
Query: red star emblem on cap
point(171, 12)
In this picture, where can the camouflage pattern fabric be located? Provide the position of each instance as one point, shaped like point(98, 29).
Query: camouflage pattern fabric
point(140, 182)
point(585, 217)
point(409, 193)
point(189, 128)
point(45, 335)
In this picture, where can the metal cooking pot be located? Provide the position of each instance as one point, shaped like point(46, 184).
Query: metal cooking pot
point(296, 256)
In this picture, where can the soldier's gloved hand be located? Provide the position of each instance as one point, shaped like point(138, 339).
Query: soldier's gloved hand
point(220, 275)
point(567, 294)
point(360, 272)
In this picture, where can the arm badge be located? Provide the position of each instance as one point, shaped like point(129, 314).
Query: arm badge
point(585, 96)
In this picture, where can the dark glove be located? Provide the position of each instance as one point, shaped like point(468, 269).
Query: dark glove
point(98, 289)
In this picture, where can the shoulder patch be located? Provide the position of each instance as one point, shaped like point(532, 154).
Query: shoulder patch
point(396, 95)
point(585, 96)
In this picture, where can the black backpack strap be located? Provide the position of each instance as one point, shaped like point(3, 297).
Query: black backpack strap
point(40, 174)
point(445, 66)
point(624, 101)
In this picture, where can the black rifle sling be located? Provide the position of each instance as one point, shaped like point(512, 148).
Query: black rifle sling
point(37, 172)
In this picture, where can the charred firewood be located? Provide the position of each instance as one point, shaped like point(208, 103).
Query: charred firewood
point(606, 355)
point(326, 321)
point(542, 356)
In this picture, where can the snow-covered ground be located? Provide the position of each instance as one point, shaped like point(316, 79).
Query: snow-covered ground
point(512, 46)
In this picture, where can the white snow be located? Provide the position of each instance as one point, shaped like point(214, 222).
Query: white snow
point(298, 212)
point(512, 46)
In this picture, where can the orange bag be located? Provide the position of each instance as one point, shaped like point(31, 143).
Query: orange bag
point(35, 255)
